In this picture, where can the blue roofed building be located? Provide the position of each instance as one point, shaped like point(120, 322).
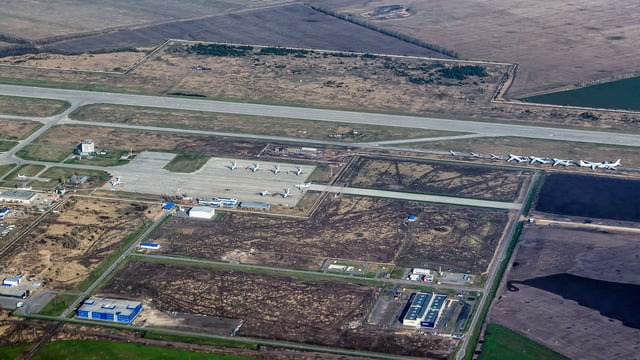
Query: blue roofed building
point(104, 309)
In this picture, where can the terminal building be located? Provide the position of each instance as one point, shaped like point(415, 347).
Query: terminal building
point(114, 310)
point(424, 310)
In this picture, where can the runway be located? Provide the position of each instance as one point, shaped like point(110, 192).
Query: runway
point(487, 129)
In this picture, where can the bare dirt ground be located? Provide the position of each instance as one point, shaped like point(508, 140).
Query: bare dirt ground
point(434, 178)
point(15, 330)
point(275, 307)
point(64, 247)
point(117, 62)
point(17, 129)
point(555, 44)
point(457, 238)
point(562, 324)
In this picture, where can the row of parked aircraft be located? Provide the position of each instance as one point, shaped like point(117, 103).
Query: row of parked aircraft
point(275, 169)
point(544, 160)
point(286, 192)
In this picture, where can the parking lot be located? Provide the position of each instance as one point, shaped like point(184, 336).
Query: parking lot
point(145, 174)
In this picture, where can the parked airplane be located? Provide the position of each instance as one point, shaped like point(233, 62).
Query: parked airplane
point(517, 158)
point(302, 186)
point(298, 171)
point(276, 169)
point(592, 165)
point(535, 159)
point(22, 176)
point(265, 193)
point(255, 167)
point(454, 153)
point(496, 157)
point(475, 155)
point(609, 166)
point(233, 166)
point(562, 162)
point(116, 181)
point(286, 193)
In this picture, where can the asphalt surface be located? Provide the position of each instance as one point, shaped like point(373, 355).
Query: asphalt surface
point(482, 128)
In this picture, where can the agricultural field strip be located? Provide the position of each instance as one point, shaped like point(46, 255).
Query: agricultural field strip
point(484, 128)
point(417, 197)
point(328, 275)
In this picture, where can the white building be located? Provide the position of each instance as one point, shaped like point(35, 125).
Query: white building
point(87, 147)
point(202, 212)
point(12, 281)
point(17, 196)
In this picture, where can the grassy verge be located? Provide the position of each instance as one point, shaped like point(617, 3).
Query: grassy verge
point(70, 85)
point(44, 152)
point(187, 162)
point(474, 334)
point(23, 106)
point(56, 306)
point(13, 351)
point(58, 174)
point(200, 340)
point(5, 169)
point(502, 343)
point(106, 350)
point(120, 248)
point(26, 170)
point(112, 158)
point(6, 145)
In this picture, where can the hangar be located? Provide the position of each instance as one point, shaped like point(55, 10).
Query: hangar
point(202, 212)
point(115, 310)
point(17, 196)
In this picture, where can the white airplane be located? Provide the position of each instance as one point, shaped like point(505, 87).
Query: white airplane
point(255, 167)
point(454, 153)
point(475, 155)
point(592, 165)
point(302, 186)
point(609, 166)
point(541, 160)
point(562, 162)
point(22, 176)
point(496, 157)
point(298, 171)
point(116, 181)
point(517, 158)
point(264, 193)
point(276, 169)
point(286, 193)
point(233, 166)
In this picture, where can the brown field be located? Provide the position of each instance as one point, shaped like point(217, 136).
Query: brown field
point(17, 330)
point(453, 237)
point(63, 248)
point(434, 178)
point(118, 61)
point(563, 324)
point(14, 105)
point(276, 306)
point(77, 16)
point(555, 44)
point(17, 129)
point(62, 139)
point(304, 129)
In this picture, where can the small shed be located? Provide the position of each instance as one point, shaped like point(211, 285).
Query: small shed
point(412, 218)
point(168, 206)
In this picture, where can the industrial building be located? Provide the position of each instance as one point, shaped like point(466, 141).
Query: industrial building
point(152, 246)
point(115, 310)
point(12, 281)
point(17, 196)
point(86, 148)
point(424, 310)
point(202, 212)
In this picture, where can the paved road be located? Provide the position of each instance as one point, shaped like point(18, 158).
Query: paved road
point(417, 197)
point(482, 128)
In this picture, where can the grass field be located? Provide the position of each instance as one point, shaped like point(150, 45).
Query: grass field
point(264, 125)
point(112, 158)
point(44, 152)
point(56, 306)
point(6, 145)
point(620, 94)
point(5, 169)
point(57, 174)
point(14, 105)
point(8, 352)
point(187, 162)
point(502, 343)
point(26, 170)
point(199, 340)
point(13, 129)
point(109, 350)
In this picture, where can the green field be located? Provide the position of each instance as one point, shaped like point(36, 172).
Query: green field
point(8, 352)
point(4, 169)
point(200, 340)
point(620, 94)
point(45, 152)
point(58, 174)
point(112, 158)
point(502, 343)
point(187, 162)
point(6, 145)
point(109, 350)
